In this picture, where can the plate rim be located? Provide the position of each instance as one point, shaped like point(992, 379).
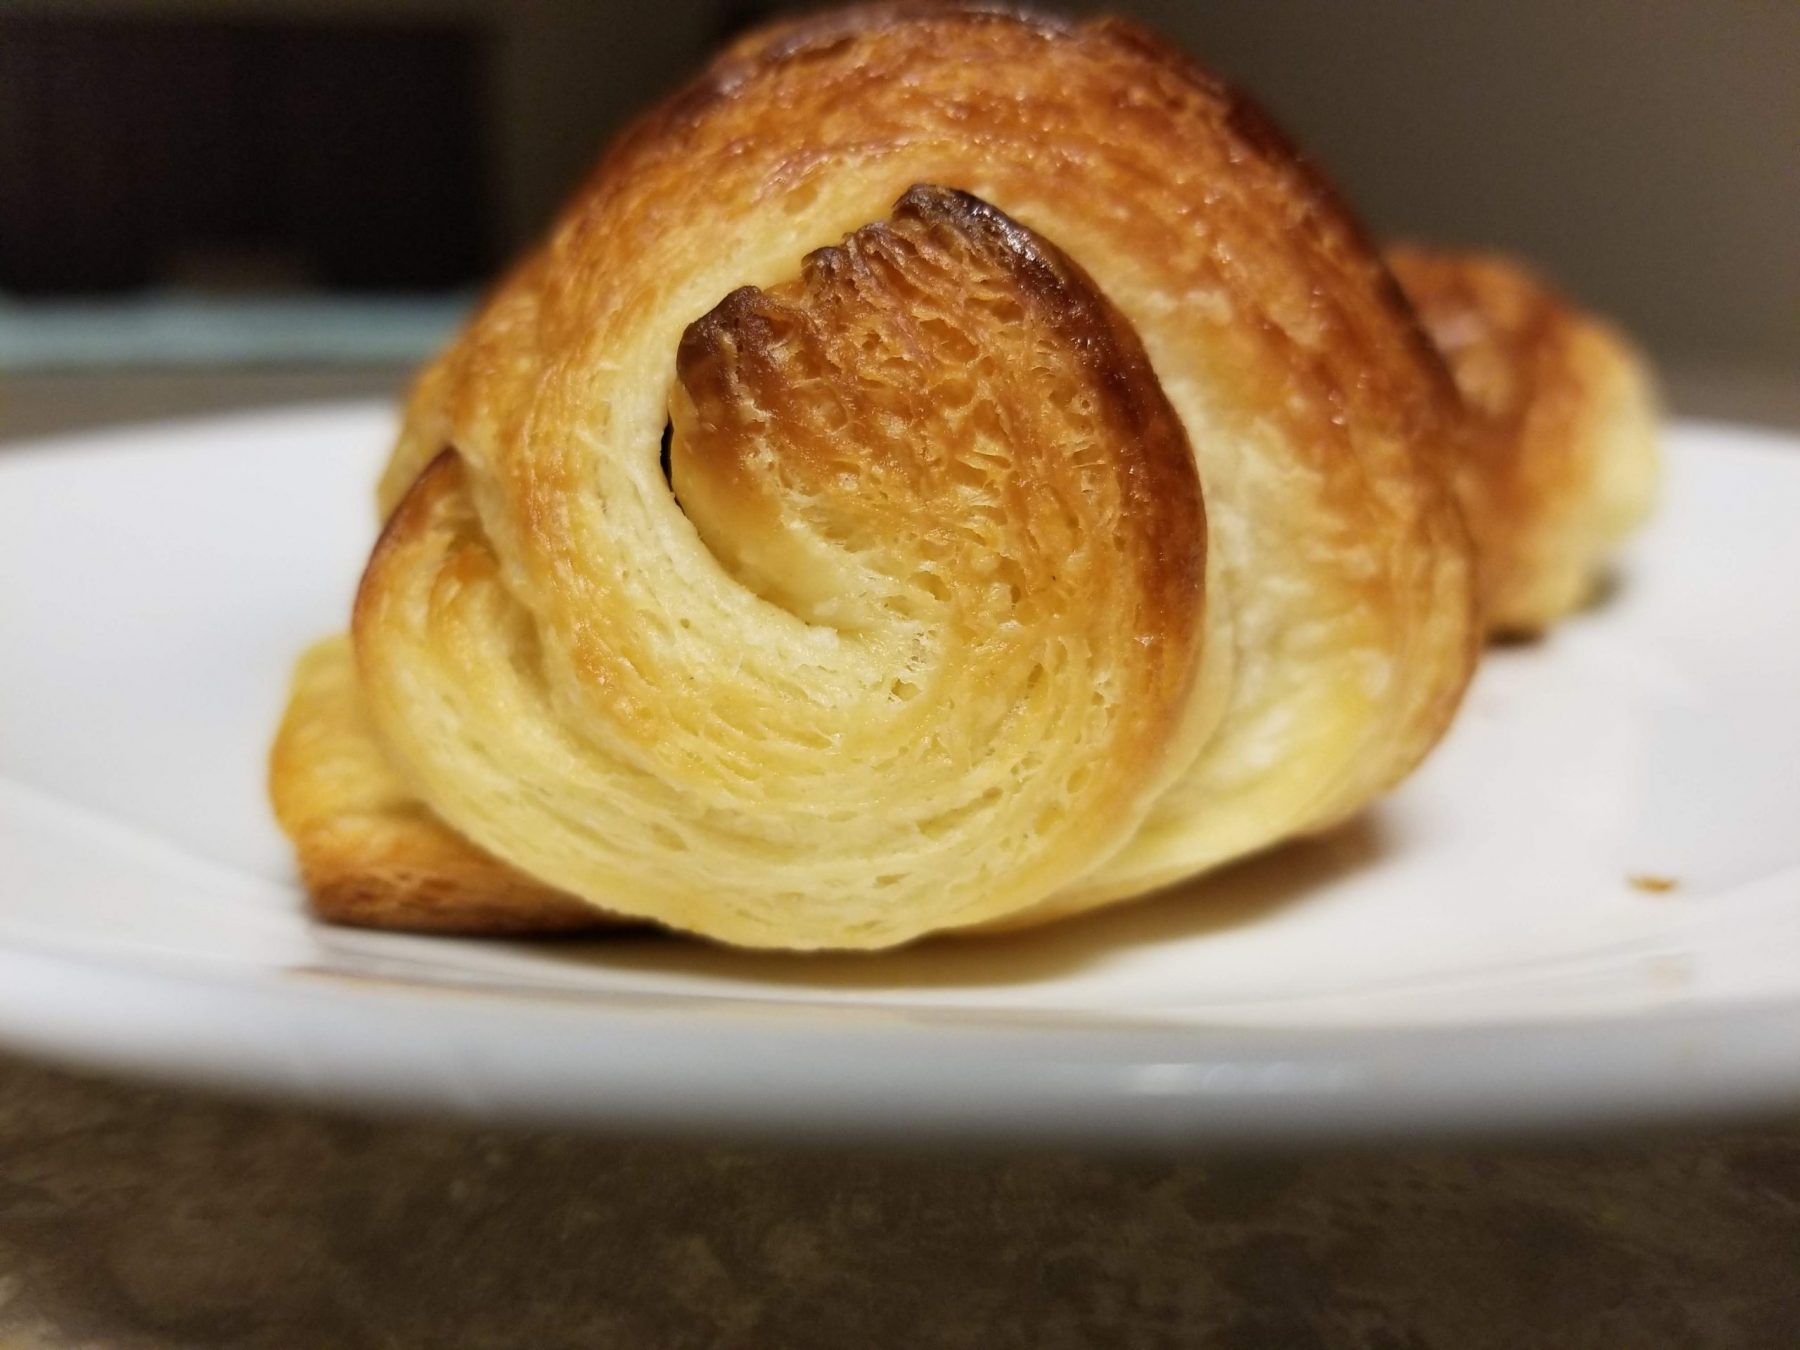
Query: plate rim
point(704, 1066)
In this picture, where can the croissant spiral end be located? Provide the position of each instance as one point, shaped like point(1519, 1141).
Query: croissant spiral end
point(1558, 458)
point(970, 528)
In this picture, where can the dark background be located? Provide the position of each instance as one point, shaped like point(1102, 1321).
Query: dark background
point(1645, 152)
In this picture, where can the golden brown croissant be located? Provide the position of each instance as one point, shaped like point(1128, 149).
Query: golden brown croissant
point(1054, 503)
point(1558, 458)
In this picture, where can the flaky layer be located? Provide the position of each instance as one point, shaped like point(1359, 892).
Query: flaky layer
point(1056, 500)
point(370, 851)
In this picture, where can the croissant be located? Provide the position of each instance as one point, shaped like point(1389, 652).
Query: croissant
point(1557, 459)
point(946, 469)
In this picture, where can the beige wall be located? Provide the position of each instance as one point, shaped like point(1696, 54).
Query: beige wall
point(1646, 152)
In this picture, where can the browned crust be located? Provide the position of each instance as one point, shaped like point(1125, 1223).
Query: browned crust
point(1160, 482)
point(1533, 372)
point(1329, 217)
point(427, 885)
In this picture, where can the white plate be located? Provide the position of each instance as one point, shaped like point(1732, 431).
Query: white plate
point(1471, 954)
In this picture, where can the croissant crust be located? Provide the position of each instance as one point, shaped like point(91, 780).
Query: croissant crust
point(1558, 438)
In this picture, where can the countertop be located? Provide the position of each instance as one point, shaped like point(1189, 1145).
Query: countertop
point(140, 1219)
point(146, 1218)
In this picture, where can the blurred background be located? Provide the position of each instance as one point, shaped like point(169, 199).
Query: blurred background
point(214, 204)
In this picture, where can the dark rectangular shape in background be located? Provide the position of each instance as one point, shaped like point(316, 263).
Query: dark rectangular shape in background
point(138, 151)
